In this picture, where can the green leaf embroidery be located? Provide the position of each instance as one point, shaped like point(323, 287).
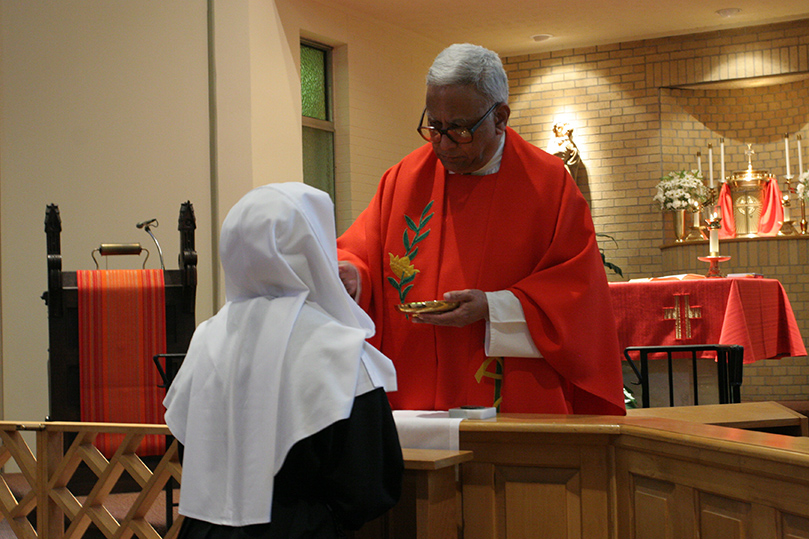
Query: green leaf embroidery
point(404, 271)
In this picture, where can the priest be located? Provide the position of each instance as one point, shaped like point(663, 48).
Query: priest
point(480, 218)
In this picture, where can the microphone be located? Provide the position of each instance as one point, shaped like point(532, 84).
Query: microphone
point(146, 223)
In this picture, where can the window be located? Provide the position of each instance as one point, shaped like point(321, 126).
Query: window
point(318, 125)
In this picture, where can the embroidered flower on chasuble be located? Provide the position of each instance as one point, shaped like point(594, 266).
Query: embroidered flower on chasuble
point(404, 272)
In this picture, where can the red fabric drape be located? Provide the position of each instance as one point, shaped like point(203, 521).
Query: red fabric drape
point(772, 212)
point(122, 325)
point(728, 229)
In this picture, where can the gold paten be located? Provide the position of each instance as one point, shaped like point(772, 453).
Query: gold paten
point(422, 307)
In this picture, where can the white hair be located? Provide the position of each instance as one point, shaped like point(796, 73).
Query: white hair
point(464, 64)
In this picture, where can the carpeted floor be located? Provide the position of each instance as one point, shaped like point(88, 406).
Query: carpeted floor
point(118, 504)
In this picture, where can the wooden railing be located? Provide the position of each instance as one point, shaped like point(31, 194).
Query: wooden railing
point(59, 512)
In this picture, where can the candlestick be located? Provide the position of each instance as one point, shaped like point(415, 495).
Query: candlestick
point(786, 153)
point(787, 227)
point(714, 222)
point(714, 241)
point(713, 270)
point(710, 166)
point(722, 159)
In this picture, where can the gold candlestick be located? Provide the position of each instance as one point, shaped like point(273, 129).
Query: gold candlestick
point(787, 225)
point(714, 223)
point(713, 270)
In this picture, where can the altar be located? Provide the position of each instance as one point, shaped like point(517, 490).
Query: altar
point(752, 312)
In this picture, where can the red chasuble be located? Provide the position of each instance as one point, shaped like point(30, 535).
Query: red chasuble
point(526, 229)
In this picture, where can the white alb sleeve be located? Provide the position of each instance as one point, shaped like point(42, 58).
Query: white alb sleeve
point(507, 332)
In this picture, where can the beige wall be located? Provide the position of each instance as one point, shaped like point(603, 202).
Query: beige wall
point(379, 75)
point(104, 108)
point(105, 112)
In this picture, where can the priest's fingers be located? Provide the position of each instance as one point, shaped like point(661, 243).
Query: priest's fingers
point(350, 277)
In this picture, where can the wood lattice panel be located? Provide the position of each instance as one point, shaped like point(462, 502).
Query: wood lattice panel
point(61, 513)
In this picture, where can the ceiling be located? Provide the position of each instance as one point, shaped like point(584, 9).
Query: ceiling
point(507, 26)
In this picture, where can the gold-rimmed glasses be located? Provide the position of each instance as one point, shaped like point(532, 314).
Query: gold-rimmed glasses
point(458, 135)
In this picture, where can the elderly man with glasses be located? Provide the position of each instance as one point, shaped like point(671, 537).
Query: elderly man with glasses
point(494, 229)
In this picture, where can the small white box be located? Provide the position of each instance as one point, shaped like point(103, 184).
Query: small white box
point(473, 412)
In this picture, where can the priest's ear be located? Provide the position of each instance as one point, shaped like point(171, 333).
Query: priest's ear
point(501, 115)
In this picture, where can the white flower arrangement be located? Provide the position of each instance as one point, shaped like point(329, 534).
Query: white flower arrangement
point(802, 187)
point(681, 190)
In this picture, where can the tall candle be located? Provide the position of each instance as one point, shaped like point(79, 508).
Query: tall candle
point(786, 153)
point(714, 242)
point(800, 157)
point(710, 166)
point(722, 159)
point(699, 162)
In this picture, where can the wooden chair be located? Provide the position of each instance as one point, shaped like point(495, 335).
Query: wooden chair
point(729, 361)
point(61, 299)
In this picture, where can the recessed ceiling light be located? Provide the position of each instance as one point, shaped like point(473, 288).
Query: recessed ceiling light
point(541, 37)
point(729, 12)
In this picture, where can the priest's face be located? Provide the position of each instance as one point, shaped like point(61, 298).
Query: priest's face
point(451, 107)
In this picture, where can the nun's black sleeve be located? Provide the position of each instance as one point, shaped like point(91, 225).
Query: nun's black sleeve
point(354, 466)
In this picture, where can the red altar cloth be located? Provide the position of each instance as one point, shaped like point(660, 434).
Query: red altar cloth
point(754, 313)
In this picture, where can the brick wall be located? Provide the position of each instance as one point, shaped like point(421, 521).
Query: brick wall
point(634, 122)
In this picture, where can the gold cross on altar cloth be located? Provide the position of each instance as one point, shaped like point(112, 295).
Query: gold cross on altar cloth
point(682, 313)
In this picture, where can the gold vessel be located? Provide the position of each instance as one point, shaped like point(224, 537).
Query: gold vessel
point(747, 192)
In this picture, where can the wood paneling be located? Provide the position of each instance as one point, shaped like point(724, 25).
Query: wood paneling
point(633, 478)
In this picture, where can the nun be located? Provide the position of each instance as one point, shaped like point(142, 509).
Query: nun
point(280, 403)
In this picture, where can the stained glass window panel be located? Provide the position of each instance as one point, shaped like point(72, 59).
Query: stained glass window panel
point(318, 159)
point(313, 83)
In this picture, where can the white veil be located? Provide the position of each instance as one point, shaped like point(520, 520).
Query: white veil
point(281, 360)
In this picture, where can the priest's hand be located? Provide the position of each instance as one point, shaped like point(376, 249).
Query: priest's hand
point(350, 277)
point(474, 306)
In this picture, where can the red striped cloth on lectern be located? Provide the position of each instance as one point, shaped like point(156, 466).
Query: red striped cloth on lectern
point(122, 325)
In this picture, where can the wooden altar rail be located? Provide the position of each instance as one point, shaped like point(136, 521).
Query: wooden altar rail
point(51, 468)
point(529, 476)
point(428, 508)
point(575, 477)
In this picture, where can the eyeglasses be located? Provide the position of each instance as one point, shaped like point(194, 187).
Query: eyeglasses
point(458, 135)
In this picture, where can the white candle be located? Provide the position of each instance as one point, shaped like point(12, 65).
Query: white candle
point(800, 157)
point(714, 241)
point(710, 166)
point(722, 159)
point(786, 153)
point(699, 162)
